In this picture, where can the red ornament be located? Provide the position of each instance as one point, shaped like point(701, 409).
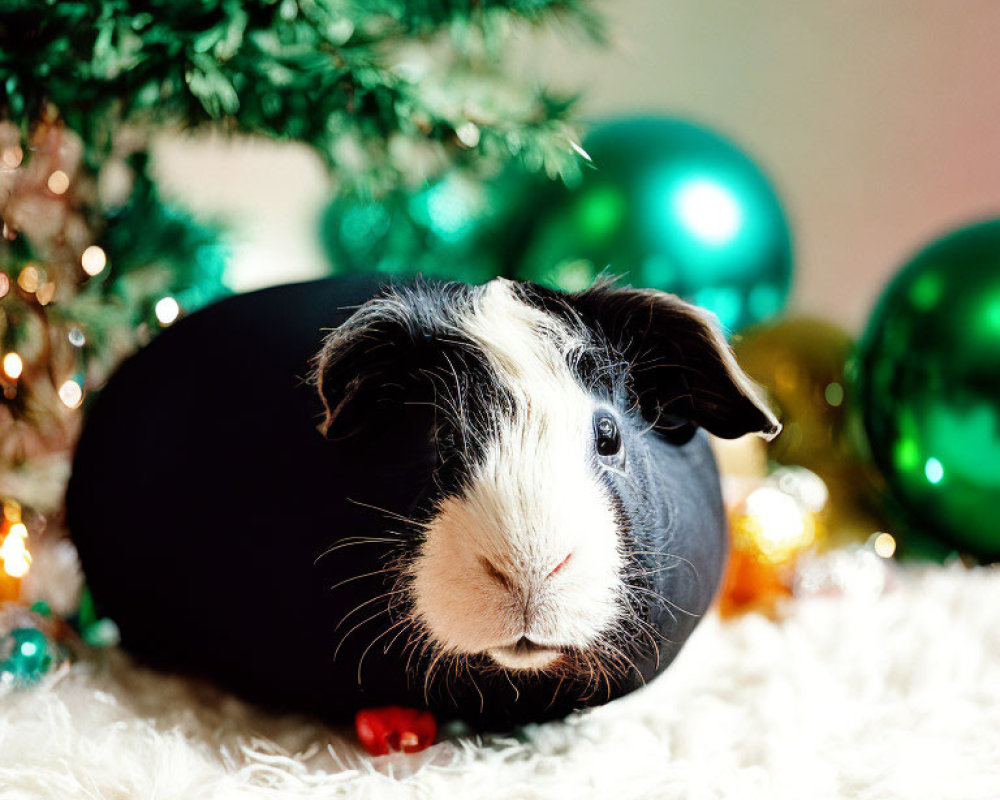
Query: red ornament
point(394, 728)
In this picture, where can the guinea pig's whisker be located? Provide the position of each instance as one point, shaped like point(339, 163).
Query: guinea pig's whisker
point(359, 606)
point(430, 673)
point(356, 540)
point(372, 643)
point(668, 602)
point(470, 673)
point(365, 621)
point(394, 639)
point(353, 578)
point(623, 662)
point(386, 511)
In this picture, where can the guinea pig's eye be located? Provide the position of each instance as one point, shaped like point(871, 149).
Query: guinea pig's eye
point(607, 437)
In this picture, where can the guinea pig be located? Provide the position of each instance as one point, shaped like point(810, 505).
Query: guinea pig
point(496, 502)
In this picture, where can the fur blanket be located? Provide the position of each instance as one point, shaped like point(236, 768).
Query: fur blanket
point(846, 695)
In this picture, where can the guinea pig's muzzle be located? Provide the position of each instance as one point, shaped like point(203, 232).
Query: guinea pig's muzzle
point(525, 654)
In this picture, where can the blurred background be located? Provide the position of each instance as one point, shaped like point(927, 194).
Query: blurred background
point(878, 123)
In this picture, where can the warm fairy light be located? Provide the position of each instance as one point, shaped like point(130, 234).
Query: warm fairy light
point(468, 134)
point(774, 524)
point(885, 545)
point(12, 157)
point(12, 511)
point(13, 366)
point(167, 310)
point(18, 529)
point(15, 555)
point(58, 182)
point(71, 393)
point(45, 293)
point(4, 284)
point(29, 279)
point(94, 260)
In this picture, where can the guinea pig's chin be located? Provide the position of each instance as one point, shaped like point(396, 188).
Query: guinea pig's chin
point(517, 658)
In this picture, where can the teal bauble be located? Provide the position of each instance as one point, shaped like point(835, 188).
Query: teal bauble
point(454, 228)
point(668, 205)
point(26, 655)
point(928, 380)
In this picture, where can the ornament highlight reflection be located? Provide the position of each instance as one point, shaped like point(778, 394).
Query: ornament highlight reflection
point(708, 210)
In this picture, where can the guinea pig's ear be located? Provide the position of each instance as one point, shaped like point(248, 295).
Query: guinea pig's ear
point(681, 365)
point(369, 362)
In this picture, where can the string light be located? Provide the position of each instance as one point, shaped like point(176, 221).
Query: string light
point(46, 293)
point(71, 393)
point(29, 279)
point(12, 157)
point(468, 134)
point(4, 284)
point(774, 525)
point(94, 260)
point(13, 366)
point(885, 545)
point(58, 182)
point(167, 310)
point(14, 551)
point(12, 511)
point(76, 337)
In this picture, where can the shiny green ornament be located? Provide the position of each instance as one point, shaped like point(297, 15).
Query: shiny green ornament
point(25, 657)
point(928, 380)
point(671, 206)
point(456, 228)
point(801, 363)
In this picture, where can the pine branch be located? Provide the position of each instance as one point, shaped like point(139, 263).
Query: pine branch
point(316, 71)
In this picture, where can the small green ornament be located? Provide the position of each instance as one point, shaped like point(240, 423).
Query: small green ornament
point(928, 380)
point(671, 206)
point(457, 228)
point(27, 657)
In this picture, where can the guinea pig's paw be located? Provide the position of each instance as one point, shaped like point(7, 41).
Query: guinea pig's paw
point(394, 728)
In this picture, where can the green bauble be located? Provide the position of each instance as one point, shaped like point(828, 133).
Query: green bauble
point(457, 228)
point(26, 656)
point(929, 386)
point(672, 206)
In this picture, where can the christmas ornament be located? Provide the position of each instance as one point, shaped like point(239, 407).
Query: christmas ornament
point(393, 728)
point(457, 228)
point(928, 379)
point(671, 206)
point(28, 650)
point(771, 529)
point(801, 363)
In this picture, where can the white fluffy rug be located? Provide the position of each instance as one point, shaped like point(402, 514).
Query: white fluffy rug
point(896, 697)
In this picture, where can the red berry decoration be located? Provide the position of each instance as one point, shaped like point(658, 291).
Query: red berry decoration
point(394, 728)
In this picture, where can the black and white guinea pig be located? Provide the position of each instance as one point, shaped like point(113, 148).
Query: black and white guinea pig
point(496, 501)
